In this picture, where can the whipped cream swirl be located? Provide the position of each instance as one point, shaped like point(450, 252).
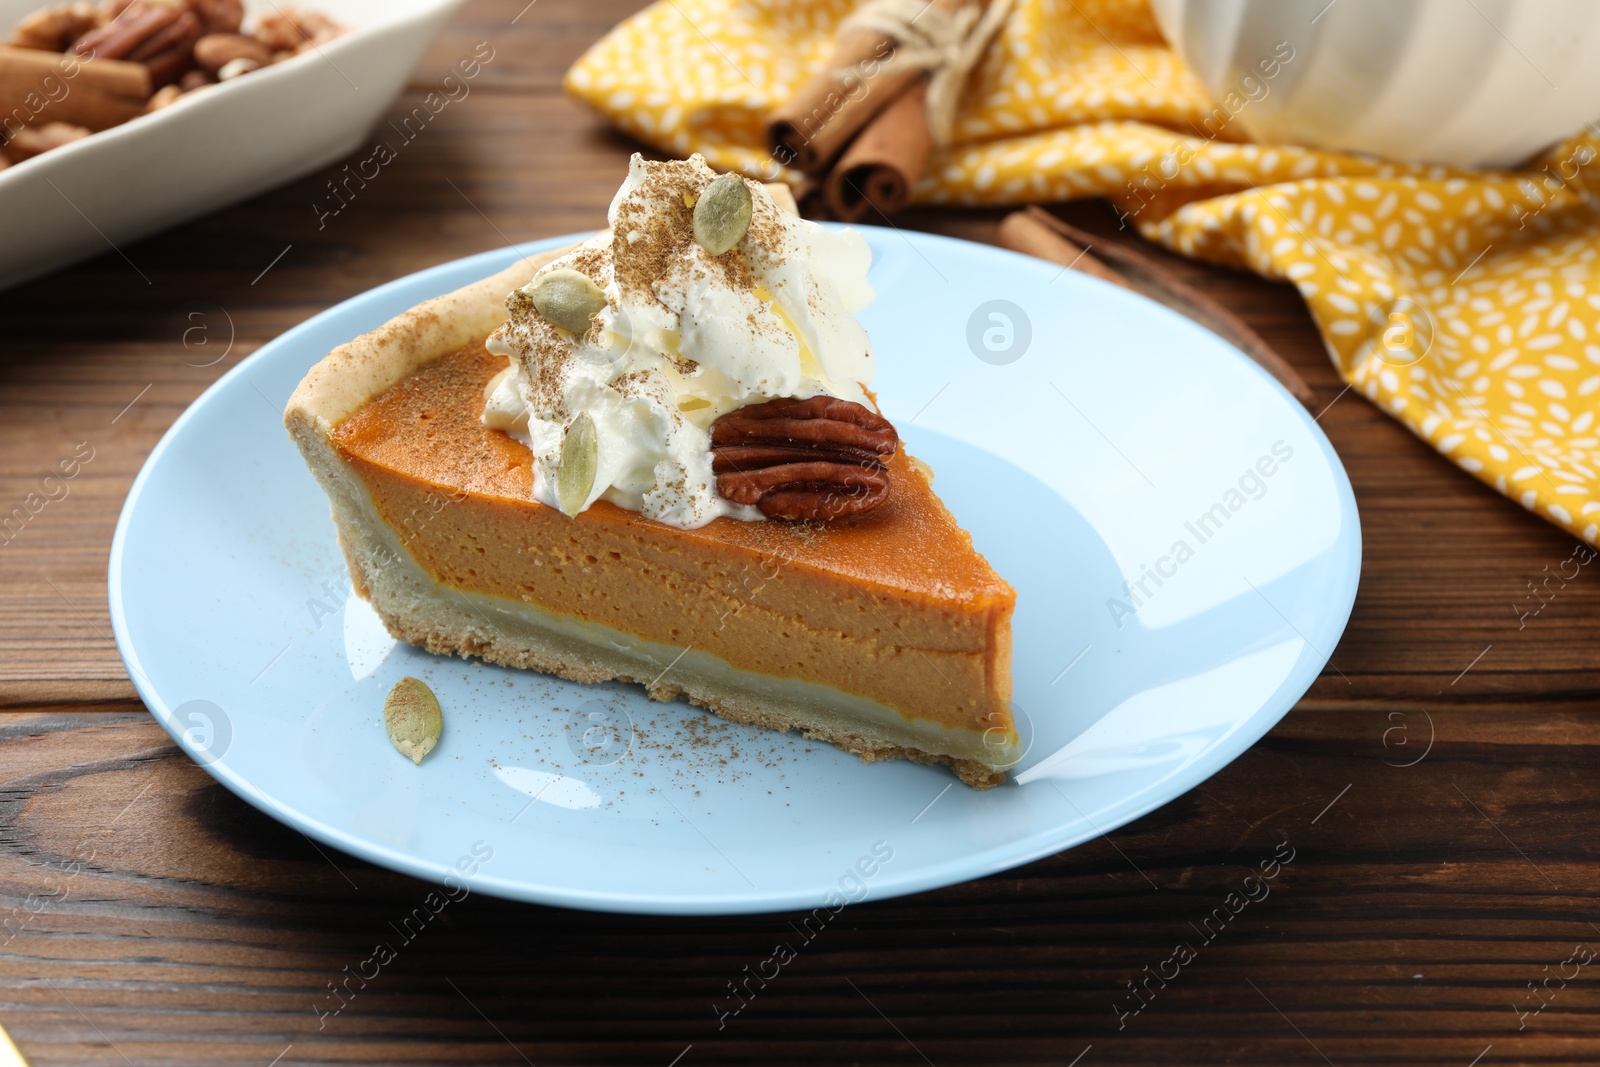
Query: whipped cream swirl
point(684, 338)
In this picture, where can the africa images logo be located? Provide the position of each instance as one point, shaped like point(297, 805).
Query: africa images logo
point(999, 332)
point(1251, 485)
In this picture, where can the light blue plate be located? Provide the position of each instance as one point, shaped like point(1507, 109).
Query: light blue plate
point(1085, 436)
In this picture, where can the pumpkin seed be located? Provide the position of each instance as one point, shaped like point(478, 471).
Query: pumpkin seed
point(412, 716)
point(568, 298)
point(580, 454)
point(722, 214)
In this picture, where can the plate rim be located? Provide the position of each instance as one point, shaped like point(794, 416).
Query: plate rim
point(890, 883)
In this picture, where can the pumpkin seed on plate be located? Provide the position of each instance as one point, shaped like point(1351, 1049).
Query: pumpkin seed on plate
point(411, 714)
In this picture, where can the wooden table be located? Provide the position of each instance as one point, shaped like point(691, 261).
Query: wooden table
point(154, 918)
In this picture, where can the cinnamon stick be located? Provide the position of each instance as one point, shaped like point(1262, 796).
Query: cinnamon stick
point(1037, 232)
point(811, 129)
point(1021, 232)
point(808, 195)
point(38, 87)
point(883, 164)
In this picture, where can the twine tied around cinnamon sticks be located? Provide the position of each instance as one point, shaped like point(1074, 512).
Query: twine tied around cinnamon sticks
point(888, 94)
point(947, 44)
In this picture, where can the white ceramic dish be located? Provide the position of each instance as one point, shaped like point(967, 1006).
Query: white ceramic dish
point(1466, 82)
point(1077, 437)
point(215, 147)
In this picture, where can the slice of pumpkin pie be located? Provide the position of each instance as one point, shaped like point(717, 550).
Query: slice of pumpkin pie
point(665, 466)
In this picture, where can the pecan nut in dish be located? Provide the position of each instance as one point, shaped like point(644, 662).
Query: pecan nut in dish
point(292, 30)
point(216, 50)
point(52, 29)
point(816, 459)
point(161, 36)
point(219, 16)
point(33, 141)
point(118, 38)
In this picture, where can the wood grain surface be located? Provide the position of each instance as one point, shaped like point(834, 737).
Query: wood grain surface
point(1430, 805)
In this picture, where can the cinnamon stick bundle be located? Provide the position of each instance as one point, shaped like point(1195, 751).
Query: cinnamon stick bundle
point(810, 130)
point(881, 167)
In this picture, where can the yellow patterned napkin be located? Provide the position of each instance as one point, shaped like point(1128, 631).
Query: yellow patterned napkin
point(1464, 303)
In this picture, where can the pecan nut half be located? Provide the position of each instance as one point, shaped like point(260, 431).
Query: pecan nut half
point(54, 28)
point(816, 459)
point(118, 38)
point(219, 16)
point(159, 35)
point(216, 50)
